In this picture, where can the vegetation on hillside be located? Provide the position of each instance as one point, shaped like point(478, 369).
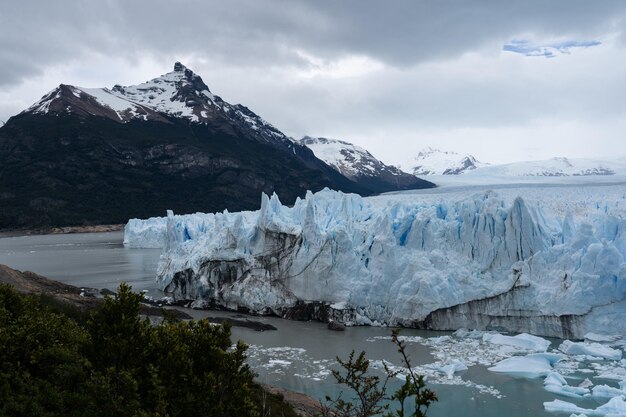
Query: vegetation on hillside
point(55, 361)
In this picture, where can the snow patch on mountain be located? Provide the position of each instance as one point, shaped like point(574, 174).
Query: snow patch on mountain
point(551, 262)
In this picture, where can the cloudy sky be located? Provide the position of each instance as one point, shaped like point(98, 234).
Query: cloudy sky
point(503, 80)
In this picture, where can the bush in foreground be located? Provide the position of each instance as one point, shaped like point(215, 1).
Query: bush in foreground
point(369, 390)
point(117, 364)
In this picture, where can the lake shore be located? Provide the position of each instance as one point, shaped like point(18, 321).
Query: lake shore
point(62, 230)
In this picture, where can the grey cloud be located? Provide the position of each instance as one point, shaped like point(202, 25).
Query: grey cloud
point(261, 33)
point(443, 63)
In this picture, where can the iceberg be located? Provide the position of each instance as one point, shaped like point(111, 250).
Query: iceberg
point(605, 391)
point(536, 365)
point(616, 407)
point(439, 261)
point(451, 368)
point(590, 349)
point(556, 384)
point(602, 338)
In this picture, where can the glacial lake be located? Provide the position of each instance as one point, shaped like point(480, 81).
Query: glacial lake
point(299, 355)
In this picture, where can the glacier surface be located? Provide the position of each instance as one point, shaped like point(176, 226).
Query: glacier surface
point(544, 260)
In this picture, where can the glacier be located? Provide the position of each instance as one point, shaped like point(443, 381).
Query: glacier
point(545, 260)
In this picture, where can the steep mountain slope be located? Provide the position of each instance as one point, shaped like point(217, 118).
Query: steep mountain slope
point(360, 166)
point(436, 162)
point(88, 156)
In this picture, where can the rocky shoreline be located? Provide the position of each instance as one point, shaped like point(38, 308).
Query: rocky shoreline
point(84, 298)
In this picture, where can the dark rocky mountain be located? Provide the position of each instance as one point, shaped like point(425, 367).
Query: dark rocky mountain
point(361, 166)
point(93, 156)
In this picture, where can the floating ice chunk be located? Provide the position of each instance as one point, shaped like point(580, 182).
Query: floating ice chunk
point(522, 341)
point(601, 338)
point(610, 370)
point(560, 406)
point(616, 407)
point(556, 384)
point(531, 366)
point(470, 334)
point(453, 367)
point(586, 383)
point(591, 349)
point(605, 391)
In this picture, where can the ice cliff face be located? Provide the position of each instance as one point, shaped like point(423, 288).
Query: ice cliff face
point(483, 261)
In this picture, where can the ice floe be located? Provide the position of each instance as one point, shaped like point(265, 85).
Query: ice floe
point(594, 350)
point(535, 365)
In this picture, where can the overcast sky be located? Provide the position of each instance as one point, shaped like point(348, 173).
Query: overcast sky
point(503, 80)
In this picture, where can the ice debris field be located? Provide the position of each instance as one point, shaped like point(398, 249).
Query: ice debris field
point(547, 260)
point(573, 371)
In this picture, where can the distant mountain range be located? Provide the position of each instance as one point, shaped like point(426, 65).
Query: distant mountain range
point(83, 156)
point(554, 167)
point(436, 162)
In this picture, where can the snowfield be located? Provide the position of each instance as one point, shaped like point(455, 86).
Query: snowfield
point(544, 259)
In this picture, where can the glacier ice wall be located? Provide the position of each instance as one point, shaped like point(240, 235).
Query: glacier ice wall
point(481, 261)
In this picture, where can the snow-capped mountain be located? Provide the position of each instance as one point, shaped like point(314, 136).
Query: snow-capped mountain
point(432, 161)
point(180, 94)
point(361, 166)
point(554, 167)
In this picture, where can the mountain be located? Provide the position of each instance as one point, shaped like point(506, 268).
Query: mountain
point(554, 167)
point(83, 156)
point(361, 167)
point(436, 162)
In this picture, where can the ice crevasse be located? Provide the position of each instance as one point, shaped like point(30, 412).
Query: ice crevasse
point(481, 261)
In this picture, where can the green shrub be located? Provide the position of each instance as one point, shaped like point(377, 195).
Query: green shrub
point(370, 391)
point(116, 363)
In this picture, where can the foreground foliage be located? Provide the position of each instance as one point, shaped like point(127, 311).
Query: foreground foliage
point(111, 362)
point(370, 396)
